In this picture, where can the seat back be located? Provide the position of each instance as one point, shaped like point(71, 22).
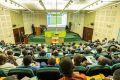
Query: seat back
point(21, 72)
point(17, 53)
point(48, 73)
point(115, 67)
point(2, 73)
point(80, 69)
point(97, 69)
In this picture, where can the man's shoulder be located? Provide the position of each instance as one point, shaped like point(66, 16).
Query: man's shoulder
point(79, 76)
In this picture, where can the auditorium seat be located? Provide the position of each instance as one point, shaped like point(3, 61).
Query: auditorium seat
point(48, 73)
point(41, 59)
point(80, 69)
point(115, 67)
point(21, 72)
point(17, 53)
point(115, 53)
point(2, 73)
point(97, 69)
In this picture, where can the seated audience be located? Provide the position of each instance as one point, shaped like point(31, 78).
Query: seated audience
point(51, 63)
point(55, 53)
point(78, 60)
point(104, 61)
point(64, 51)
point(27, 63)
point(4, 65)
point(42, 53)
point(66, 68)
point(115, 59)
point(24, 52)
point(99, 51)
point(10, 58)
point(113, 49)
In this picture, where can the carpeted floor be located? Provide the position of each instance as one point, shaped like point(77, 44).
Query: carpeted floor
point(70, 37)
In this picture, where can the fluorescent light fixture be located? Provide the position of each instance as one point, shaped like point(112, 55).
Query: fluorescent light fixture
point(32, 4)
point(97, 5)
point(9, 5)
point(80, 5)
point(51, 4)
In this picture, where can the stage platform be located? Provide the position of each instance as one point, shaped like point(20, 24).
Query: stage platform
point(70, 37)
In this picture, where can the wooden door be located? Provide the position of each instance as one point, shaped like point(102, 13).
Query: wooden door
point(87, 33)
point(21, 29)
point(16, 35)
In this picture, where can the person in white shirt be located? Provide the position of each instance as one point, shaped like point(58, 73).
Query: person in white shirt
point(4, 65)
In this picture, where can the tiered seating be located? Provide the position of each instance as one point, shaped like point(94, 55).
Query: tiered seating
point(2, 73)
point(21, 72)
point(48, 73)
point(53, 73)
point(96, 69)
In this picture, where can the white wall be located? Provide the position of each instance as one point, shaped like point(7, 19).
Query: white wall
point(6, 32)
point(36, 18)
point(107, 23)
point(77, 22)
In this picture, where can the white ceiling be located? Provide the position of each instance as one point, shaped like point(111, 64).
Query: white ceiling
point(51, 4)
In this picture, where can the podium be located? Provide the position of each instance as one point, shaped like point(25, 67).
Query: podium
point(55, 40)
point(53, 37)
point(37, 31)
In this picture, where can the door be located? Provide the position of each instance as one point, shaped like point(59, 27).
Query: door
point(87, 33)
point(16, 35)
point(21, 29)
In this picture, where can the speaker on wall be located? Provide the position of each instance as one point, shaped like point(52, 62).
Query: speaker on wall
point(14, 25)
point(92, 24)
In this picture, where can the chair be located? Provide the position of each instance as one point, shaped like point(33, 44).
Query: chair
point(97, 69)
point(115, 67)
point(41, 59)
point(104, 54)
point(21, 72)
point(115, 53)
point(16, 53)
point(80, 69)
point(48, 73)
point(2, 73)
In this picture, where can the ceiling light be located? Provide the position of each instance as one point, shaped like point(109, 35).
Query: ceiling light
point(5, 0)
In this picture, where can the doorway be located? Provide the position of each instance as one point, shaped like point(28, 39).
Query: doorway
point(87, 33)
point(17, 34)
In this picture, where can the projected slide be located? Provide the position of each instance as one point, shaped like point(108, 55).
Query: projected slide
point(61, 19)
